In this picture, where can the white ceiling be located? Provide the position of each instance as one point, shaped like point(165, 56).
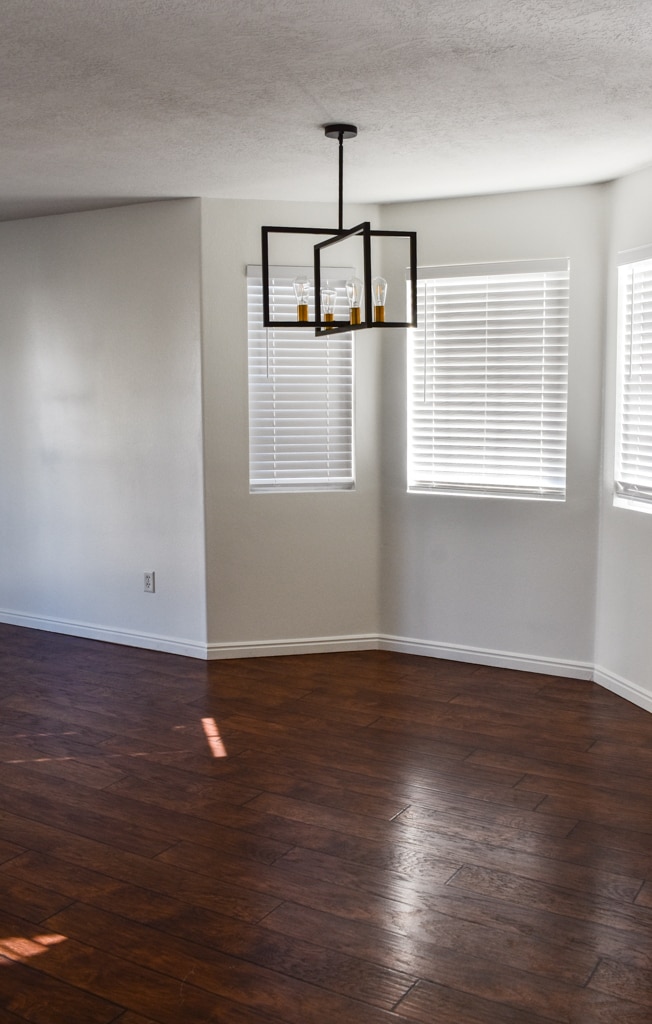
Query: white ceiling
point(110, 101)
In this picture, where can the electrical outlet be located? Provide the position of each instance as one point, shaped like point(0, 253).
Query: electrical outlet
point(149, 580)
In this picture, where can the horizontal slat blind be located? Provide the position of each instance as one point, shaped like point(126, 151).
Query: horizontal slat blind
point(300, 394)
point(488, 382)
point(633, 475)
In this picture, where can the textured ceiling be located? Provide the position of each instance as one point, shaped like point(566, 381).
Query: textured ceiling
point(109, 101)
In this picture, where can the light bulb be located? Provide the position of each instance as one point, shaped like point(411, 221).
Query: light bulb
point(354, 295)
point(328, 297)
point(379, 293)
point(302, 291)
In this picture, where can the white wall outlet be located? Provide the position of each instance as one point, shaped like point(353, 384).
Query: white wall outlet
point(150, 582)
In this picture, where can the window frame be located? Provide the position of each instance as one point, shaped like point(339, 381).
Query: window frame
point(285, 408)
point(430, 469)
point(632, 487)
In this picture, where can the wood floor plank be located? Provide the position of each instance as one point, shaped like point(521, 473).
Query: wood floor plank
point(459, 724)
point(360, 754)
point(444, 1005)
point(58, 710)
point(237, 829)
point(134, 1018)
point(314, 962)
point(312, 877)
point(417, 945)
point(32, 726)
point(32, 995)
point(617, 840)
point(65, 874)
point(5, 1016)
point(170, 791)
point(437, 771)
point(428, 1003)
point(270, 774)
point(629, 809)
point(93, 978)
point(428, 874)
point(468, 731)
point(38, 835)
point(398, 746)
point(509, 987)
point(280, 881)
point(631, 759)
point(74, 761)
point(500, 885)
point(137, 826)
point(625, 811)
point(39, 810)
point(474, 823)
point(624, 723)
point(616, 978)
point(9, 850)
point(341, 798)
point(583, 767)
point(362, 875)
point(69, 881)
point(176, 791)
point(29, 901)
point(512, 817)
point(644, 898)
point(287, 985)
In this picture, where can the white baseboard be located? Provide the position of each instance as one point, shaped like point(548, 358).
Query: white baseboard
point(630, 691)
point(324, 645)
point(309, 645)
point(127, 638)
point(406, 645)
point(485, 656)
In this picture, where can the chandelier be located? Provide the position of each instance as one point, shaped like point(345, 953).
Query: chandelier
point(366, 295)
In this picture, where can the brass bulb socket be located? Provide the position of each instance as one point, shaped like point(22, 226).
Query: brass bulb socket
point(379, 314)
point(328, 318)
point(355, 315)
point(302, 313)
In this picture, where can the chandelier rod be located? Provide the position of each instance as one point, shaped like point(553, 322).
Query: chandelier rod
point(340, 132)
point(340, 206)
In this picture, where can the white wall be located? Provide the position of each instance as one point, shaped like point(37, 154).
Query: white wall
point(100, 420)
point(623, 648)
point(281, 567)
point(469, 576)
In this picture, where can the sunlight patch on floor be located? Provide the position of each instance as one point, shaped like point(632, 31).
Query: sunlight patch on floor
point(213, 737)
point(19, 947)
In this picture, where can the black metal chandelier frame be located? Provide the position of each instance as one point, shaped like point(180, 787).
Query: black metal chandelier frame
point(365, 231)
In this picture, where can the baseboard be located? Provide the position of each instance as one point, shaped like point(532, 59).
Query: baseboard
point(630, 691)
point(308, 645)
point(406, 645)
point(485, 656)
point(127, 638)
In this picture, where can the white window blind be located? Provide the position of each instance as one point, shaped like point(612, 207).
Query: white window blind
point(300, 392)
point(633, 471)
point(488, 380)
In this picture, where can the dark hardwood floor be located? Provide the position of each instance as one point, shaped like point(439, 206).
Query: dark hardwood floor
point(328, 839)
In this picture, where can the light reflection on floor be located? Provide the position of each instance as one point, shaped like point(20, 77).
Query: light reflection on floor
point(17, 947)
point(213, 737)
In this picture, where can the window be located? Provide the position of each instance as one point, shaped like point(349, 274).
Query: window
point(633, 470)
point(300, 393)
point(488, 381)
